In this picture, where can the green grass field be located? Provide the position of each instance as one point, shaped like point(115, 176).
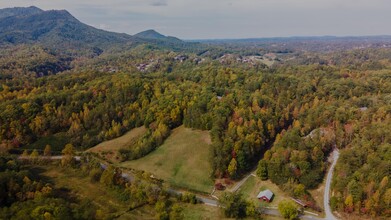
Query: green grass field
point(201, 212)
point(182, 160)
point(109, 149)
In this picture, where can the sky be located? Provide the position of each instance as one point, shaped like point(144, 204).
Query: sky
point(223, 19)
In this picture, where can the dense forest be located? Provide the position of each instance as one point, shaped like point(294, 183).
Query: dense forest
point(291, 115)
point(277, 105)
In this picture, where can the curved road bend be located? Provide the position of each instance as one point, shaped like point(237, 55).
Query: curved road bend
point(326, 197)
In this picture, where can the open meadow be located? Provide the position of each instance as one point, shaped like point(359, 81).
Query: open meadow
point(183, 160)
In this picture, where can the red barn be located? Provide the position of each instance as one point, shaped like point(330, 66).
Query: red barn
point(265, 195)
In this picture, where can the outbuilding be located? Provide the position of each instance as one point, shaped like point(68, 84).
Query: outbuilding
point(265, 195)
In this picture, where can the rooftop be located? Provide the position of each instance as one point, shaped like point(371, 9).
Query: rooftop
point(265, 193)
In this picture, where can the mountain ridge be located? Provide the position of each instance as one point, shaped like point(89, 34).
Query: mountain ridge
point(19, 11)
point(59, 29)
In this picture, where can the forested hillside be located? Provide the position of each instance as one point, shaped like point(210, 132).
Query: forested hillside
point(281, 109)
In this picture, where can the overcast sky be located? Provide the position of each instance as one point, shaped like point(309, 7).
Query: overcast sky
point(201, 19)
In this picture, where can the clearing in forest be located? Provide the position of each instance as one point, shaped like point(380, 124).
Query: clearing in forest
point(182, 160)
point(109, 149)
point(254, 185)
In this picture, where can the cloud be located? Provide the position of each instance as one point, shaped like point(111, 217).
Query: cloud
point(159, 3)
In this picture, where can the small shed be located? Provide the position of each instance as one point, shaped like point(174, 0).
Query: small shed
point(298, 201)
point(265, 195)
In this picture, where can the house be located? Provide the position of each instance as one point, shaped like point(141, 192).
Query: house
point(181, 58)
point(265, 195)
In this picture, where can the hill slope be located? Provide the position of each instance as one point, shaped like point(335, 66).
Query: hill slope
point(154, 35)
point(182, 160)
point(150, 34)
point(59, 30)
point(53, 28)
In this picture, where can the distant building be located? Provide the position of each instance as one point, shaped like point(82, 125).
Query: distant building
point(265, 195)
point(181, 58)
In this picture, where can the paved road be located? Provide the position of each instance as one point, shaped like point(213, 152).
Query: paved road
point(275, 212)
point(326, 197)
point(206, 201)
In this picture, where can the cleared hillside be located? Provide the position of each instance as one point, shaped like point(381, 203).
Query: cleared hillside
point(109, 149)
point(183, 160)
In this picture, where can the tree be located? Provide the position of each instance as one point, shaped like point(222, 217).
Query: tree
point(34, 154)
point(161, 210)
point(176, 212)
point(234, 205)
point(67, 155)
point(251, 209)
point(262, 170)
point(387, 197)
point(107, 177)
point(232, 168)
point(48, 151)
point(95, 174)
point(25, 153)
point(355, 190)
point(349, 203)
point(299, 190)
point(288, 209)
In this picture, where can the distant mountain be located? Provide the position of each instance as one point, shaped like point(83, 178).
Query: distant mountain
point(173, 43)
point(53, 28)
point(18, 11)
point(59, 30)
point(154, 35)
point(150, 34)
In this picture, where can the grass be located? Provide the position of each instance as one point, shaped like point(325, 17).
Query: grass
point(182, 160)
point(254, 185)
point(109, 149)
point(80, 186)
point(139, 213)
point(201, 212)
point(318, 194)
point(77, 185)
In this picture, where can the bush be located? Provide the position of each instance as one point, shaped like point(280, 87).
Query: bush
point(95, 175)
point(234, 205)
point(288, 209)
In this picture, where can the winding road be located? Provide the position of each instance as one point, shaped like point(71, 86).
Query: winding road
point(326, 197)
point(212, 202)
